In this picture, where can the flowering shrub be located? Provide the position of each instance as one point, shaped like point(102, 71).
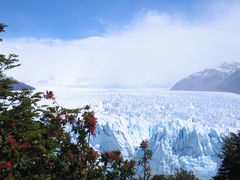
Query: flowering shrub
point(147, 155)
point(89, 122)
point(115, 167)
point(35, 145)
point(49, 95)
point(180, 174)
point(144, 144)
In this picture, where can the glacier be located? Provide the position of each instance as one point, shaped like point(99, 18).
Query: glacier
point(184, 129)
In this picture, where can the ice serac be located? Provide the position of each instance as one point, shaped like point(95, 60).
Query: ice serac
point(224, 78)
point(184, 129)
point(187, 145)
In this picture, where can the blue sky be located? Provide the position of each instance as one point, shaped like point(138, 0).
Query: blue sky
point(69, 19)
point(118, 43)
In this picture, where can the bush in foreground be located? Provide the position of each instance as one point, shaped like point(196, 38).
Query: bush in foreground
point(35, 145)
point(179, 175)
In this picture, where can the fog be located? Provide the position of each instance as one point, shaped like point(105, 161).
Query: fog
point(155, 49)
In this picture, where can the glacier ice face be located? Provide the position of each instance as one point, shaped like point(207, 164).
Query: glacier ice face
point(184, 129)
point(187, 145)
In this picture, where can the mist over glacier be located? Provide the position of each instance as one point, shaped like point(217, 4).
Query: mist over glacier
point(184, 129)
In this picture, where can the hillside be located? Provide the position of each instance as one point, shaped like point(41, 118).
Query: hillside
point(224, 78)
point(19, 85)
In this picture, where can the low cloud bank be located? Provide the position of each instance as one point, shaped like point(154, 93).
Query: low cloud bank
point(155, 50)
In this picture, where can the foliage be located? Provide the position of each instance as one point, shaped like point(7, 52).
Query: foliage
point(230, 155)
point(115, 167)
point(147, 155)
point(179, 175)
point(2, 27)
point(35, 145)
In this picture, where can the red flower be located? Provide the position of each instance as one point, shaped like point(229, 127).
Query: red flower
point(64, 122)
point(9, 164)
point(92, 130)
point(105, 154)
point(93, 121)
point(110, 159)
point(87, 114)
point(24, 145)
point(148, 168)
point(94, 153)
point(10, 175)
point(114, 156)
point(49, 95)
point(117, 157)
point(130, 164)
point(144, 144)
point(72, 121)
point(11, 139)
point(2, 165)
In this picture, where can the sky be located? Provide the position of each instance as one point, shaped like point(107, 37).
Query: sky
point(118, 43)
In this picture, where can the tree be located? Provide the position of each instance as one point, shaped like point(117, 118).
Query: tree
point(115, 167)
point(230, 155)
point(34, 143)
point(179, 175)
point(147, 155)
point(2, 27)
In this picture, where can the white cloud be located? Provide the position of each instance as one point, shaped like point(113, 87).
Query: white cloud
point(155, 48)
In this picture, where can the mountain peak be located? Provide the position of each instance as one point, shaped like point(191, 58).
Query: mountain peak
point(223, 78)
point(228, 67)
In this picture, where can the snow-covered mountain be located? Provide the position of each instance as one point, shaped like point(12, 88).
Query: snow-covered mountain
point(224, 78)
point(184, 129)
